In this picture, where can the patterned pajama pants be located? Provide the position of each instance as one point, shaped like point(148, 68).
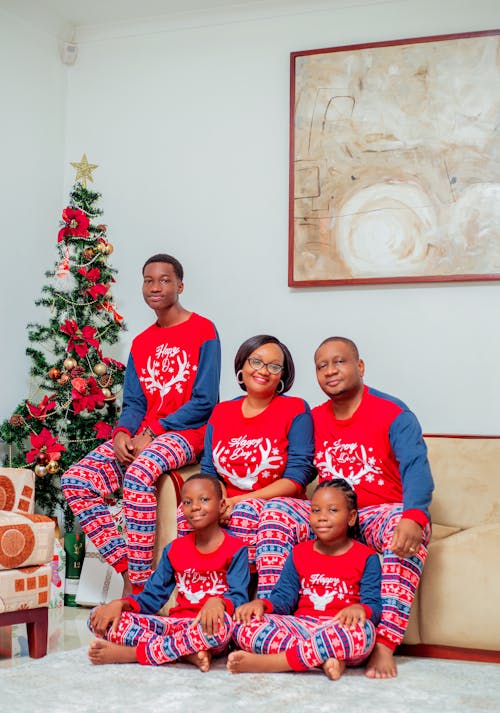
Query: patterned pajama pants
point(87, 484)
point(167, 639)
point(308, 642)
point(245, 523)
point(283, 526)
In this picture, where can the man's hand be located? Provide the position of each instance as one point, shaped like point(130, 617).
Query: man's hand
point(123, 448)
point(407, 538)
point(140, 442)
point(211, 613)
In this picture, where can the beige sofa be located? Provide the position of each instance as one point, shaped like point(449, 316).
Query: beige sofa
point(455, 613)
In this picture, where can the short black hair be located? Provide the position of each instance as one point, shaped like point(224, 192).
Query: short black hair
point(206, 476)
point(347, 341)
point(352, 501)
point(253, 343)
point(163, 257)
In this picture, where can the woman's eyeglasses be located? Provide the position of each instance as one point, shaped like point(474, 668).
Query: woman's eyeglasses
point(258, 364)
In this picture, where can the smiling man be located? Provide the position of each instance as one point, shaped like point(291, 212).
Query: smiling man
point(171, 386)
point(375, 442)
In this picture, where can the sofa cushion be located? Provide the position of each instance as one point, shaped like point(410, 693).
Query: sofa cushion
point(25, 540)
point(459, 592)
point(467, 490)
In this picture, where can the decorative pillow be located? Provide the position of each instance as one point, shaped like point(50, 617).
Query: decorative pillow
point(17, 490)
point(25, 540)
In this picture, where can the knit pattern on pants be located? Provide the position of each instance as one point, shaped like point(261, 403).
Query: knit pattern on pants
point(243, 523)
point(167, 452)
point(284, 522)
point(400, 577)
point(164, 639)
point(308, 642)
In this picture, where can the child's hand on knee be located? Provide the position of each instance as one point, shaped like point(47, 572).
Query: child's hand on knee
point(105, 615)
point(351, 616)
point(210, 616)
point(245, 612)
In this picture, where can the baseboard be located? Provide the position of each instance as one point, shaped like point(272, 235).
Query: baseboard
point(437, 651)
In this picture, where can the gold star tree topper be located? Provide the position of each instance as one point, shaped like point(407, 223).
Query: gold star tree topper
point(84, 170)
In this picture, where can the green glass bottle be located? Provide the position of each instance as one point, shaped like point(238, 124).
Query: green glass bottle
point(74, 546)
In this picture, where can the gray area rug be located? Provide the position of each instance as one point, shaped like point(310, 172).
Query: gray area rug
point(67, 682)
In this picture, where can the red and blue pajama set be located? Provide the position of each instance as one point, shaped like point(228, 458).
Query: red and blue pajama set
point(222, 573)
point(171, 386)
point(247, 454)
point(381, 452)
point(315, 587)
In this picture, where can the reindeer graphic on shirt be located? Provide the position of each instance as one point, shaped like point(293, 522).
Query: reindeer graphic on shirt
point(350, 461)
point(169, 368)
point(195, 585)
point(260, 458)
point(322, 590)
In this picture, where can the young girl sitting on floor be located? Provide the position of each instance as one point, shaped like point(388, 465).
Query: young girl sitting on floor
point(210, 569)
point(332, 584)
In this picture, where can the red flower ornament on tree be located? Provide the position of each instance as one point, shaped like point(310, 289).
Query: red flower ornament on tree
point(79, 339)
point(85, 394)
point(44, 442)
point(103, 430)
point(41, 411)
point(76, 224)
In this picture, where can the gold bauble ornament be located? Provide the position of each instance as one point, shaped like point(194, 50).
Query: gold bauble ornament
point(69, 363)
point(107, 393)
point(54, 373)
point(100, 368)
point(52, 467)
point(88, 253)
point(40, 471)
point(109, 249)
point(64, 378)
point(101, 247)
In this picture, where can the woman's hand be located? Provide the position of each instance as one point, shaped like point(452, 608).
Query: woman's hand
point(226, 515)
point(351, 616)
point(209, 616)
point(251, 610)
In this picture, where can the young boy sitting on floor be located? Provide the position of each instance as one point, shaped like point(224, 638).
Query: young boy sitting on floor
point(210, 569)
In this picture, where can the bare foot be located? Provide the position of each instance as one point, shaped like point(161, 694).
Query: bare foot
point(101, 652)
point(127, 585)
point(381, 663)
point(202, 660)
point(333, 669)
point(245, 662)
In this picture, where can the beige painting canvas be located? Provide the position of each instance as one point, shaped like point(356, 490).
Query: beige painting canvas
point(395, 162)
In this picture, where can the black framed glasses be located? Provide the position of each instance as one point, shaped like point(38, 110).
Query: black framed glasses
point(272, 367)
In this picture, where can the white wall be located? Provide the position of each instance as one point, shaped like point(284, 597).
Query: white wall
point(190, 129)
point(32, 119)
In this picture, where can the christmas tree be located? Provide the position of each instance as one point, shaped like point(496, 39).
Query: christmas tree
point(72, 401)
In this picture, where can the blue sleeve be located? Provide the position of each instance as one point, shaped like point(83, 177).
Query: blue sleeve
point(134, 402)
point(207, 461)
point(285, 594)
point(408, 445)
point(238, 577)
point(299, 464)
point(159, 586)
point(205, 393)
point(369, 587)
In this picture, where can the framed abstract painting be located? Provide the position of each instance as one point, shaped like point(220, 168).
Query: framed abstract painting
point(395, 162)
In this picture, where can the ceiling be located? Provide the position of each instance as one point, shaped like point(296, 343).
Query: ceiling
point(78, 13)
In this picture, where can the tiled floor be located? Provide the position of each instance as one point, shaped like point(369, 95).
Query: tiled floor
point(67, 630)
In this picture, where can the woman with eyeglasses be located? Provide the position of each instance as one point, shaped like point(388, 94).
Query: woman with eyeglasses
point(260, 445)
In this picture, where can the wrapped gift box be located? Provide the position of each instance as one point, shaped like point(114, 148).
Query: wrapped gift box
point(25, 540)
point(26, 588)
point(99, 583)
point(17, 489)
point(58, 568)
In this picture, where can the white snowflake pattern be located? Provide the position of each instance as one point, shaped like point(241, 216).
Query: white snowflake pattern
point(380, 481)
